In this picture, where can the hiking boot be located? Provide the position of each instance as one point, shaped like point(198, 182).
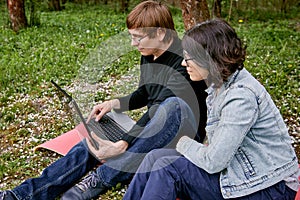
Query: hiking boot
point(7, 195)
point(90, 187)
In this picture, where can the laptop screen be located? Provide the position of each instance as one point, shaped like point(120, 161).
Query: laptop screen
point(74, 106)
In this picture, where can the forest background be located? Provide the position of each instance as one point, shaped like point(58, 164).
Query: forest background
point(58, 43)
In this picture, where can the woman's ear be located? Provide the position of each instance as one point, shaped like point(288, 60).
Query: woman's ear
point(161, 33)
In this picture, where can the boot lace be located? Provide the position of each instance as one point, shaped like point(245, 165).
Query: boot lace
point(89, 181)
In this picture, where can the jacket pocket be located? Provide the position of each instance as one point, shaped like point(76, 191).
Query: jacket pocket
point(245, 163)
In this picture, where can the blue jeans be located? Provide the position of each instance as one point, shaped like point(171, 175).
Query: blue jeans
point(167, 169)
point(172, 117)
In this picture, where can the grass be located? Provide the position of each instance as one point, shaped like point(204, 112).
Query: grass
point(83, 38)
point(273, 57)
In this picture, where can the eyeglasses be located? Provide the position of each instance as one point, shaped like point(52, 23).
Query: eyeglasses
point(138, 39)
point(186, 61)
point(187, 57)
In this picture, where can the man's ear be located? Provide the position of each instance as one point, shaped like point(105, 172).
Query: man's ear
point(161, 33)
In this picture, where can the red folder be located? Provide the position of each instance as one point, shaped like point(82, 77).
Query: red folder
point(63, 143)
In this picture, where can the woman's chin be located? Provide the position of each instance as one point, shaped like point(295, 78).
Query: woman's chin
point(196, 78)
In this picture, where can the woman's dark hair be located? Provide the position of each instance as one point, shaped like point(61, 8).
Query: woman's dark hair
point(215, 46)
point(149, 16)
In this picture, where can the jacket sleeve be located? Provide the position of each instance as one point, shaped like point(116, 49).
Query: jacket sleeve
point(238, 113)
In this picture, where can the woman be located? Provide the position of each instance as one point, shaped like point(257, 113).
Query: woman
point(248, 155)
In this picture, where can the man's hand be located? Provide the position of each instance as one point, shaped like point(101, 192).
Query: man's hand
point(107, 149)
point(103, 108)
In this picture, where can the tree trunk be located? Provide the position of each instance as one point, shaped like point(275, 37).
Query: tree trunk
point(217, 8)
point(124, 5)
point(55, 5)
point(34, 19)
point(193, 12)
point(16, 9)
point(283, 6)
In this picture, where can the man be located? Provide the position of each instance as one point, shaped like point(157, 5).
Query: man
point(162, 80)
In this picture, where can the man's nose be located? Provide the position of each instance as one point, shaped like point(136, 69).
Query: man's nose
point(134, 43)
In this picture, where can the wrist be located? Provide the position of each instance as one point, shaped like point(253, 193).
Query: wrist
point(182, 143)
point(122, 145)
point(115, 104)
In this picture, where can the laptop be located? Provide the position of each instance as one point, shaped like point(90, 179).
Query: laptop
point(111, 126)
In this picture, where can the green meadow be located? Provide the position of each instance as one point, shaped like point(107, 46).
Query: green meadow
point(64, 44)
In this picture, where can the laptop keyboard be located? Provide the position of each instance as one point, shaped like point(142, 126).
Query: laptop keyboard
point(107, 126)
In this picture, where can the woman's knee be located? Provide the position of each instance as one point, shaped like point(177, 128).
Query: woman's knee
point(153, 155)
point(157, 154)
point(164, 163)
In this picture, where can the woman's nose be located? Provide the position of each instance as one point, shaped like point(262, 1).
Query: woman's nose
point(183, 63)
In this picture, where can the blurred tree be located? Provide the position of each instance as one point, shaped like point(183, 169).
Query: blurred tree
point(124, 5)
point(16, 9)
point(34, 19)
point(284, 6)
point(54, 5)
point(216, 12)
point(193, 12)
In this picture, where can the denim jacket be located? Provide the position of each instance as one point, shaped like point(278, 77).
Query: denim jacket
point(248, 142)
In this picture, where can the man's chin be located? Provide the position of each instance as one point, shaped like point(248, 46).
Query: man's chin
point(144, 53)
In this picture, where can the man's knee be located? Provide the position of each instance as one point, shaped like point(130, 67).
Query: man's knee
point(169, 105)
point(171, 101)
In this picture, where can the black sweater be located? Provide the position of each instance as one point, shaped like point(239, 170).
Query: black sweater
point(162, 78)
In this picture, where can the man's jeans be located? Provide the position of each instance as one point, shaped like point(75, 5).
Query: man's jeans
point(172, 119)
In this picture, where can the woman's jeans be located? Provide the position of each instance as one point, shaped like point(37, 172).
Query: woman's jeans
point(172, 118)
point(165, 174)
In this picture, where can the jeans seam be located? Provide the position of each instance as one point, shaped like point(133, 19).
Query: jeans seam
point(61, 177)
